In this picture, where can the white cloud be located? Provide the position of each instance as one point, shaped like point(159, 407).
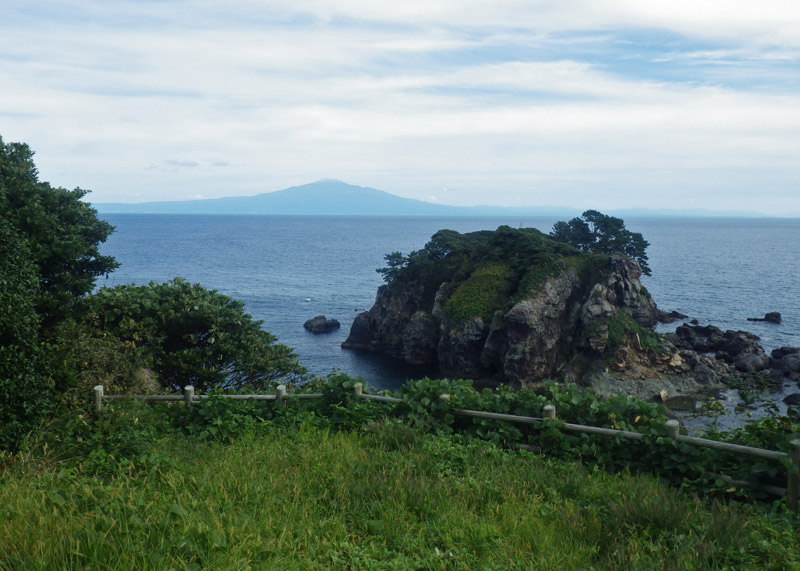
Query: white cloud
point(511, 102)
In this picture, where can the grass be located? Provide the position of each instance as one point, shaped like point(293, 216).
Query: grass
point(484, 292)
point(387, 497)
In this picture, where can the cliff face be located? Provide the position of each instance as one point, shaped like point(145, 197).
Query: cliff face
point(565, 315)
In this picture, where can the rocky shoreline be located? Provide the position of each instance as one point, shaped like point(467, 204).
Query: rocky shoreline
point(565, 330)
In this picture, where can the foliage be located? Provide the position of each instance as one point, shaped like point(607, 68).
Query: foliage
point(62, 232)
point(624, 328)
point(26, 394)
point(117, 441)
point(489, 268)
point(477, 296)
point(306, 497)
point(120, 337)
point(190, 335)
point(603, 234)
point(81, 357)
point(408, 485)
point(395, 262)
point(49, 258)
point(221, 419)
point(420, 406)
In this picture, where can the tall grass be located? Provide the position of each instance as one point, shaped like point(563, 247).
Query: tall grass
point(387, 497)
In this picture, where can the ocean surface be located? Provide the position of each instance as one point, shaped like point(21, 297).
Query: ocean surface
point(287, 269)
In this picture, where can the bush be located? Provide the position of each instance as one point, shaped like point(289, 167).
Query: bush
point(193, 336)
point(119, 440)
point(26, 392)
point(485, 291)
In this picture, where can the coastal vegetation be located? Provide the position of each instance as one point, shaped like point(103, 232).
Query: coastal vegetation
point(599, 233)
point(331, 482)
point(189, 335)
point(336, 482)
point(58, 337)
point(487, 270)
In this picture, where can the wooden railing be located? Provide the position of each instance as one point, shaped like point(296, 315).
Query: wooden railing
point(792, 490)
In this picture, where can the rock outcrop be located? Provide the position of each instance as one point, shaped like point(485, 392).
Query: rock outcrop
point(321, 324)
point(515, 307)
point(671, 317)
point(771, 317)
point(737, 348)
point(786, 361)
point(564, 317)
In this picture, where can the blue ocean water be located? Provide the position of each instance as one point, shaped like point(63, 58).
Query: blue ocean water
point(287, 269)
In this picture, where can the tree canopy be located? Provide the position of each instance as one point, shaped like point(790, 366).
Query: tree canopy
point(602, 234)
point(49, 259)
point(25, 395)
point(56, 337)
point(62, 233)
point(486, 269)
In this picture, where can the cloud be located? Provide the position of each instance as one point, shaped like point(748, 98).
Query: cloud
point(520, 101)
point(172, 165)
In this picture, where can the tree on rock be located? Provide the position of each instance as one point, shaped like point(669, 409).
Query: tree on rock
point(599, 233)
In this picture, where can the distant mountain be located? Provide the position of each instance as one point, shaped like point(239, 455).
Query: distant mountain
point(334, 197)
point(331, 197)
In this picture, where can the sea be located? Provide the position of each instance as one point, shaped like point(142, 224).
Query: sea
point(288, 269)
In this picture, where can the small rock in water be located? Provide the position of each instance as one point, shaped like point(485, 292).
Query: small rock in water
point(671, 317)
point(321, 324)
point(771, 317)
point(792, 399)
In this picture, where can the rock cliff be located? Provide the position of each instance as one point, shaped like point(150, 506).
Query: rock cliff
point(481, 310)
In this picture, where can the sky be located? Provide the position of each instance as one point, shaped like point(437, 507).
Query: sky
point(605, 104)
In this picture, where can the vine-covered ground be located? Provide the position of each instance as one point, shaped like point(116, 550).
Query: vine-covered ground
point(344, 483)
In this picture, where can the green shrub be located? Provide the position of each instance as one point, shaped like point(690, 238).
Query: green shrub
point(26, 391)
point(485, 291)
point(622, 329)
point(190, 335)
point(118, 440)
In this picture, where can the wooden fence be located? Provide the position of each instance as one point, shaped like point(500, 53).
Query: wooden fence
point(792, 490)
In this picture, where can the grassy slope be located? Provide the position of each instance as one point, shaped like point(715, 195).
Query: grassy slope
point(384, 498)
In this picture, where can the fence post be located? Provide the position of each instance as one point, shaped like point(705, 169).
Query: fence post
point(673, 426)
point(358, 389)
point(188, 395)
point(793, 481)
point(550, 411)
point(98, 398)
point(280, 396)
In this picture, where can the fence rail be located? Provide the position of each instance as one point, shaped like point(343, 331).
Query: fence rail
point(792, 490)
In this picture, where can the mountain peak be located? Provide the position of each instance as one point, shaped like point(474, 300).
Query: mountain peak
point(325, 196)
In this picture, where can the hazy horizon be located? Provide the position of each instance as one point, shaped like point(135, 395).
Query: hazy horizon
point(477, 210)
